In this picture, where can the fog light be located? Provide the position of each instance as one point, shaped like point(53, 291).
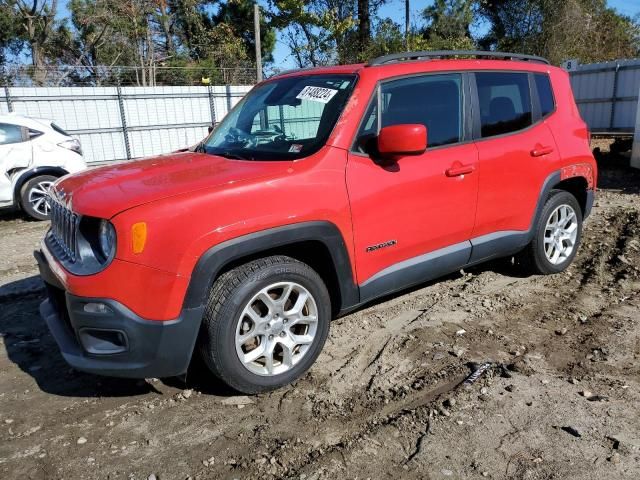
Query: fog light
point(99, 308)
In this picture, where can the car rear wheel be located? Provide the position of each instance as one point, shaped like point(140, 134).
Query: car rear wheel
point(34, 197)
point(556, 237)
point(265, 323)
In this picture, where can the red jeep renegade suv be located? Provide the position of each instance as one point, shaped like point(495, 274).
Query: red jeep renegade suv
point(322, 190)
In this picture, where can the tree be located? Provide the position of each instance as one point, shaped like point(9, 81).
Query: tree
point(9, 35)
point(448, 25)
point(174, 41)
point(586, 29)
point(93, 41)
point(449, 19)
point(238, 15)
point(31, 25)
point(389, 37)
point(316, 30)
point(364, 24)
point(591, 32)
point(516, 25)
point(326, 31)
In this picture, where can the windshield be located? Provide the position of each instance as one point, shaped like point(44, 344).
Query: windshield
point(282, 120)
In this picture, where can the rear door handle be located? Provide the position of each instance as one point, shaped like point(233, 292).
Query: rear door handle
point(458, 169)
point(540, 151)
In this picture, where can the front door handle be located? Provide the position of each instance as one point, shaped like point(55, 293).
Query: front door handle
point(540, 151)
point(459, 169)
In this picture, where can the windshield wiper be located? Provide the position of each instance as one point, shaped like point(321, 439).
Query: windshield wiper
point(232, 156)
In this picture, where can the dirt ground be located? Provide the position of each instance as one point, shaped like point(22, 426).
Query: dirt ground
point(385, 400)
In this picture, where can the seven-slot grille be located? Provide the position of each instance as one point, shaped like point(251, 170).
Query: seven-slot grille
point(64, 229)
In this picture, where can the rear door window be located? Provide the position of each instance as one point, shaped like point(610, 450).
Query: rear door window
point(505, 102)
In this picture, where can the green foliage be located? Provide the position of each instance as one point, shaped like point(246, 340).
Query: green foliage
point(390, 38)
point(150, 39)
point(317, 31)
point(30, 26)
point(321, 32)
point(583, 29)
point(238, 14)
point(186, 41)
point(449, 19)
point(9, 34)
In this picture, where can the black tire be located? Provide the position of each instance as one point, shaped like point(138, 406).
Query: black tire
point(29, 189)
point(533, 258)
point(229, 295)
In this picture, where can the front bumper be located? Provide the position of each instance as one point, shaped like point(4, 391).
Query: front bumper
point(114, 341)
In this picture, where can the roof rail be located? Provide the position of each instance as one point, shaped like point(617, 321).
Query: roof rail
point(406, 56)
point(292, 70)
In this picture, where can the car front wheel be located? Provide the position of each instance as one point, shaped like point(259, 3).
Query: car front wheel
point(34, 197)
point(265, 323)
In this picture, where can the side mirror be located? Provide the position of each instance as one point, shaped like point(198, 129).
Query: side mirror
point(404, 139)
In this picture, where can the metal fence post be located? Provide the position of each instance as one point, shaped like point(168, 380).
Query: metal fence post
point(635, 150)
point(212, 106)
point(123, 120)
point(7, 95)
point(614, 95)
point(228, 90)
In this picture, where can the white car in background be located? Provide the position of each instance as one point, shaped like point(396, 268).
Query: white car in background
point(34, 153)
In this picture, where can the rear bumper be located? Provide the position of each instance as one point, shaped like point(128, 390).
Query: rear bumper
point(112, 340)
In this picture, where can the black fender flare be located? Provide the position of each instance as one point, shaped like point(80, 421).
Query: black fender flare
point(28, 174)
point(502, 243)
point(551, 182)
point(213, 261)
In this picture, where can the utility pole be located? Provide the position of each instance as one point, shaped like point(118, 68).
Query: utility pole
point(407, 25)
point(256, 31)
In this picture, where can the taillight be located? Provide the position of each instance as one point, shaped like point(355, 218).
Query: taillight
point(72, 144)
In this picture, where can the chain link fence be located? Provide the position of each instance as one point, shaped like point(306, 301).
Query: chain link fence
point(107, 76)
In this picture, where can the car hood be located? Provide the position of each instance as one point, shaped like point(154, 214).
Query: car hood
point(106, 191)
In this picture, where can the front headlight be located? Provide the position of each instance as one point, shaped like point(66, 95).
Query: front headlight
point(107, 239)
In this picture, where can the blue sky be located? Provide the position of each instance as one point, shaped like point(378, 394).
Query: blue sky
point(394, 9)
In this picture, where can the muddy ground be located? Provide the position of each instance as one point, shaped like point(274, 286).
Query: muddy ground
point(384, 400)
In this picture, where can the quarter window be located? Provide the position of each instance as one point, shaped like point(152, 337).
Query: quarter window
point(545, 94)
point(434, 101)
point(10, 134)
point(505, 103)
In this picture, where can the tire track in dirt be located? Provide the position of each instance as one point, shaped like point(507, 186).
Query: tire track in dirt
point(422, 405)
point(384, 400)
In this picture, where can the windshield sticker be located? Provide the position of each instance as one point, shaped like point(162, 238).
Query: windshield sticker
point(295, 148)
point(317, 94)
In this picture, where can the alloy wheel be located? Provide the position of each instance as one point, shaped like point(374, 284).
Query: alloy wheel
point(276, 328)
point(39, 197)
point(560, 234)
